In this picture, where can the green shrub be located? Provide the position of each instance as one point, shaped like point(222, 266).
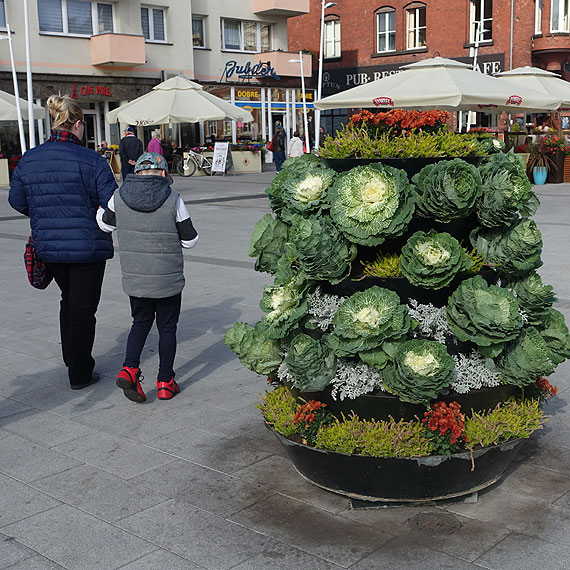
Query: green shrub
point(384, 265)
point(278, 408)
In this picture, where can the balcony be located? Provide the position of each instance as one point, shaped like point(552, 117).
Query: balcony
point(286, 8)
point(118, 49)
point(551, 50)
point(279, 61)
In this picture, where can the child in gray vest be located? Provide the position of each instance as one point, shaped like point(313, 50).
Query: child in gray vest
point(153, 225)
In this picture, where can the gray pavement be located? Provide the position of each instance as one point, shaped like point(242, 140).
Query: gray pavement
point(90, 480)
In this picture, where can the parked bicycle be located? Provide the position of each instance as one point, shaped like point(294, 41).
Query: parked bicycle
point(194, 160)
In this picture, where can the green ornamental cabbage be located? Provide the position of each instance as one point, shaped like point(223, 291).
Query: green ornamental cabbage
point(267, 243)
point(491, 145)
point(321, 251)
point(433, 259)
point(366, 319)
point(525, 359)
point(372, 203)
point(484, 314)
point(515, 251)
point(555, 333)
point(307, 192)
point(447, 190)
point(311, 364)
point(506, 191)
point(254, 349)
point(421, 371)
point(534, 298)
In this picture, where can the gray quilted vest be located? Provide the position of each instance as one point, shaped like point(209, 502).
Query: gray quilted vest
point(149, 244)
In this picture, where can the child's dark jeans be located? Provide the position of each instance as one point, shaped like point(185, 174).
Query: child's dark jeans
point(144, 311)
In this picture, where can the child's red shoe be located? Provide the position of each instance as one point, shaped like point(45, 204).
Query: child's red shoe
point(167, 390)
point(129, 380)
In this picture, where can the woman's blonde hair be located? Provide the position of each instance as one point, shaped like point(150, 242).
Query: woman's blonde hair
point(64, 111)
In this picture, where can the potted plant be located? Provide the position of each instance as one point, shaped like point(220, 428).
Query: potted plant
point(540, 163)
point(556, 147)
point(396, 298)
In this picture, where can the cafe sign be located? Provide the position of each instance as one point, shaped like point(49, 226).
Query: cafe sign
point(260, 70)
point(86, 90)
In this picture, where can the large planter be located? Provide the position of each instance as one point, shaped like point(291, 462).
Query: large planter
point(246, 161)
point(556, 175)
point(401, 479)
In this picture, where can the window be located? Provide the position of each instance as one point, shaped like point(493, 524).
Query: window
point(481, 20)
point(538, 17)
point(246, 36)
point(332, 38)
point(2, 15)
point(386, 22)
point(559, 16)
point(198, 39)
point(74, 17)
point(153, 24)
point(416, 27)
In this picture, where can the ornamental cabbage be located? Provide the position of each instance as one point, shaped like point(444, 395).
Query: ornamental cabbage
point(254, 349)
point(515, 251)
point(308, 191)
point(421, 371)
point(525, 359)
point(432, 260)
point(447, 190)
point(484, 314)
point(366, 319)
point(534, 298)
point(555, 333)
point(310, 363)
point(491, 145)
point(372, 203)
point(267, 243)
point(320, 249)
point(506, 191)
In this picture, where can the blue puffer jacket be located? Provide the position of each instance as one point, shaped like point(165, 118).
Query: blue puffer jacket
point(60, 185)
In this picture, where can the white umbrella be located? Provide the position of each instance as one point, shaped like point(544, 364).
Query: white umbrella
point(177, 100)
point(539, 80)
point(445, 84)
point(8, 109)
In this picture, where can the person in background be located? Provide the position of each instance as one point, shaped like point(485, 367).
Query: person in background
point(278, 149)
point(295, 146)
point(154, 144)
point(60, 184)
point(153, 226)
point(130, 148)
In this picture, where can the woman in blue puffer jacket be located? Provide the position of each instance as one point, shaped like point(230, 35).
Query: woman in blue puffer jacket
point(60, 185)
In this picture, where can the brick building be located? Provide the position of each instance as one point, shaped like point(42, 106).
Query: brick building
point(368, 39)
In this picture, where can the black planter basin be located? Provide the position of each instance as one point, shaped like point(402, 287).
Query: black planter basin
point(379, 405)
point(401, 479)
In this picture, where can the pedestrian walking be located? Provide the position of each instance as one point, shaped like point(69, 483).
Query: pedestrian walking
point(130, 148)
point(296, 147)
point(60, 184)
point(155, 145)
point(153, 225)
point(278, 148)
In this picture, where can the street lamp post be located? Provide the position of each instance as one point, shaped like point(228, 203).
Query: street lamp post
point(320, 78)
point(32, 128)
point(305, 121)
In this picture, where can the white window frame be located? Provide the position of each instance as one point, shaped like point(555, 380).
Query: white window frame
point(203, 20)
point(94, 21)
point(386, 16)
point(483, 22)
point(562, 4)
point(241, 35)
point(334, 24)
point(150, 9)
point(416, 29)
point(538, 5)
point(3, 9)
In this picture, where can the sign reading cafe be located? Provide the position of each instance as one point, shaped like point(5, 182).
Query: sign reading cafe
point(247, 71)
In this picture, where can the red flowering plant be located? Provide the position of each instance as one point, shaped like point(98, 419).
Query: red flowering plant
point(309, 418)
point(553, 143)
point(397, 122)
point(541, 390)
point(444, 427)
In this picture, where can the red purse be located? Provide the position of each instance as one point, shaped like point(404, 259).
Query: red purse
point(269, 146)
point(38, 274)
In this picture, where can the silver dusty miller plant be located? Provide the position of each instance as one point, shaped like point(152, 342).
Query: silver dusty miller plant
point(353, 379)
point(322, 308)
point(432, 323)
point(471, 372)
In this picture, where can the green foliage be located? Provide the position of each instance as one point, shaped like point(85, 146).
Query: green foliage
point(534, 298)
point(506, 191)
point(510, 420)
point(420, 372)
point(491, 145)
point(432, 260)
point(555, 333)
point(254, 349)
point(372, 203)
point(477, 261)
point(307, 193)
point(484, 314)
point(515, 251)
point(267, 243)
point(384, 265)
point(278, 408)
point(447, 190)
point(366, 319)
point(311, 364)
point(377, 439)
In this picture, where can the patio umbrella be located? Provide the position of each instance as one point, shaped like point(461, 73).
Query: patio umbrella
point(445, 84)
point(177, 100)
point(539, 80)
point(8, 110)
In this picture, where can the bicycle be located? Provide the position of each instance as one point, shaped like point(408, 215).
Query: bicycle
point(194, 160)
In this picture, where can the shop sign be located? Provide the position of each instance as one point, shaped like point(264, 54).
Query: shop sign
point(85, 90)
point(259, 70)
point(247, 94)
point(308, 95)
